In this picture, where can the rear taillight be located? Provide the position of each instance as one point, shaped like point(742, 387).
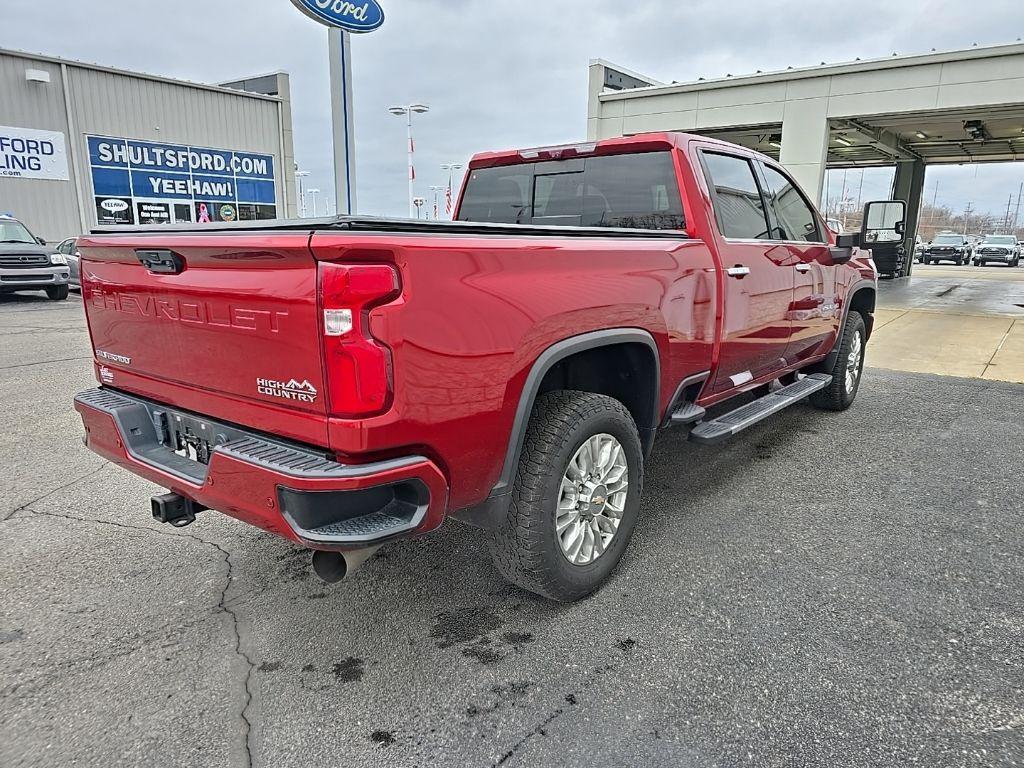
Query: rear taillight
point(357, 366)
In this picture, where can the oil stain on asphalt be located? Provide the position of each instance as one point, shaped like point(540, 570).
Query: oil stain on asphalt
point(350, 670)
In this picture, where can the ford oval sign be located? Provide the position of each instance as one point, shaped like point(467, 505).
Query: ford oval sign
point(357, 16)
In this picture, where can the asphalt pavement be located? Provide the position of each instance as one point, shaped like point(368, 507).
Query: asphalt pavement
point(825, 590)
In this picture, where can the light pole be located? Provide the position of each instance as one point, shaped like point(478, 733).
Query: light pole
point(313, 193)
point(437, 211)
point(451, 168)
point(407, 111)
point(300, 175)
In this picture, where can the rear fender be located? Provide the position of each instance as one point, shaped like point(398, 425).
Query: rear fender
point(491, 513)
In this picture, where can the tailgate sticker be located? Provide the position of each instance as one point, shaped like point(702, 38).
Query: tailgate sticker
point(303, 391)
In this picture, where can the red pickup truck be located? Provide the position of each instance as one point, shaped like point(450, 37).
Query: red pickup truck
point(347, 382)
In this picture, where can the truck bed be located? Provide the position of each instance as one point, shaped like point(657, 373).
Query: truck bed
point(383, 225)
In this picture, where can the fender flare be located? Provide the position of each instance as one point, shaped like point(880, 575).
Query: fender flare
point(492, 511)
point(829, 363)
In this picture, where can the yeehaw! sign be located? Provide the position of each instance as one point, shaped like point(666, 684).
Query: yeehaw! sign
point(358, 16)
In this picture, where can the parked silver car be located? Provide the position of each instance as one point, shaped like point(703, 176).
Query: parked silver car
point(69, 248)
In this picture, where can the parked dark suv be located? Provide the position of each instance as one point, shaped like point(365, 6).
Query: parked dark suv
point(947, 247)
point(27, 263)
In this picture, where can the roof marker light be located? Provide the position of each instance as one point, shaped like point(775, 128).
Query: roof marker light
point(558, 151)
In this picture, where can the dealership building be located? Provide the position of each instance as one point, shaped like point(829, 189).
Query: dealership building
point(82, 145)
point(908, 112)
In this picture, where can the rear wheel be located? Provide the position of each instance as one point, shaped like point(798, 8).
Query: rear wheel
point(848, 368)
point(576, 496)
point(57, 293)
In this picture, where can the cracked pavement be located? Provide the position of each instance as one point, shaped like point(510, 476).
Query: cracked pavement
point(828, 590)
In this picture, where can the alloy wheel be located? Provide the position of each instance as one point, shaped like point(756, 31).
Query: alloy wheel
point(592, 499)
point(853, 362)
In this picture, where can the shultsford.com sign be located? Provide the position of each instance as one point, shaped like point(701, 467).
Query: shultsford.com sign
point(357, 16)
point(26, 153)
point(148, 182)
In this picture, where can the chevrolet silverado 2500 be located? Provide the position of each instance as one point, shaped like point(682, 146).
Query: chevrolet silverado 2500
point(347, 382)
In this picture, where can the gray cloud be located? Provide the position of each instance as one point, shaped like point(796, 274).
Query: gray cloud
point(500, 75)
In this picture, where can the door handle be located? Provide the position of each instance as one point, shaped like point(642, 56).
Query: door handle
point(739, 272)
point(803, 268)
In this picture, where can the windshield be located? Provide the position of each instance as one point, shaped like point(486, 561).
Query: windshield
point(1001, 240)
point(15, 232)
point(948, 240)
point(635, 191)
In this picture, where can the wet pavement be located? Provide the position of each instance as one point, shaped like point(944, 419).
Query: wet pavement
point(991, 290)
point(827, 590)
point(953, 321)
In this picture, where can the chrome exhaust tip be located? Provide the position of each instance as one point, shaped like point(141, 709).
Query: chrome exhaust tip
point(335, 567)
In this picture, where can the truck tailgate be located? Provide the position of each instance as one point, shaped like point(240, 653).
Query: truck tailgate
point(227, 326)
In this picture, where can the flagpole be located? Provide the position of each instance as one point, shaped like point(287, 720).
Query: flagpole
point(449, 198)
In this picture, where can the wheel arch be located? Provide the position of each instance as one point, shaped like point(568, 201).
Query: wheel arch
point(862, 298)
point(553, 369)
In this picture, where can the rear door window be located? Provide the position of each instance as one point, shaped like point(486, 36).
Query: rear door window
point(498, 195)
point(636, 191)
point(794, 219)
point(739, 208)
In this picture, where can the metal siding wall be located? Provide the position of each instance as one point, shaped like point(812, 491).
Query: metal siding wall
point(112, 104)
point(121, 105)
point(48, 207)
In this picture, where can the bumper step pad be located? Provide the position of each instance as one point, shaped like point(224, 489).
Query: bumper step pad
point(729, 424)
point(368, 527)
point(688, 413)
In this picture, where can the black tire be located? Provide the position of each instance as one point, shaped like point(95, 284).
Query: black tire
point(526, 549)
point(57, 293)
point(837, 396)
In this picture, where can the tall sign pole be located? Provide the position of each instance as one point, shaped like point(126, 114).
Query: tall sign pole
point(342, 19)
point(340, 50)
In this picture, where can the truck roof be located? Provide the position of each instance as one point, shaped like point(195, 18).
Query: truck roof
point(641, 142)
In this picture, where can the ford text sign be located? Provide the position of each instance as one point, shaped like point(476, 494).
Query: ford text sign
point(352, 16)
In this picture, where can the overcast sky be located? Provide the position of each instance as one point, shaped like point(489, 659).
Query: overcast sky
point(502, 74)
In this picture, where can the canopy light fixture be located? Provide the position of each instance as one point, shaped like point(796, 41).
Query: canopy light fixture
point(976, 130)
point(921, 135)
point(844, 141)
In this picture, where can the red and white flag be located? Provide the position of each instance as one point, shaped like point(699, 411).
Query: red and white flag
point(448, 199)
